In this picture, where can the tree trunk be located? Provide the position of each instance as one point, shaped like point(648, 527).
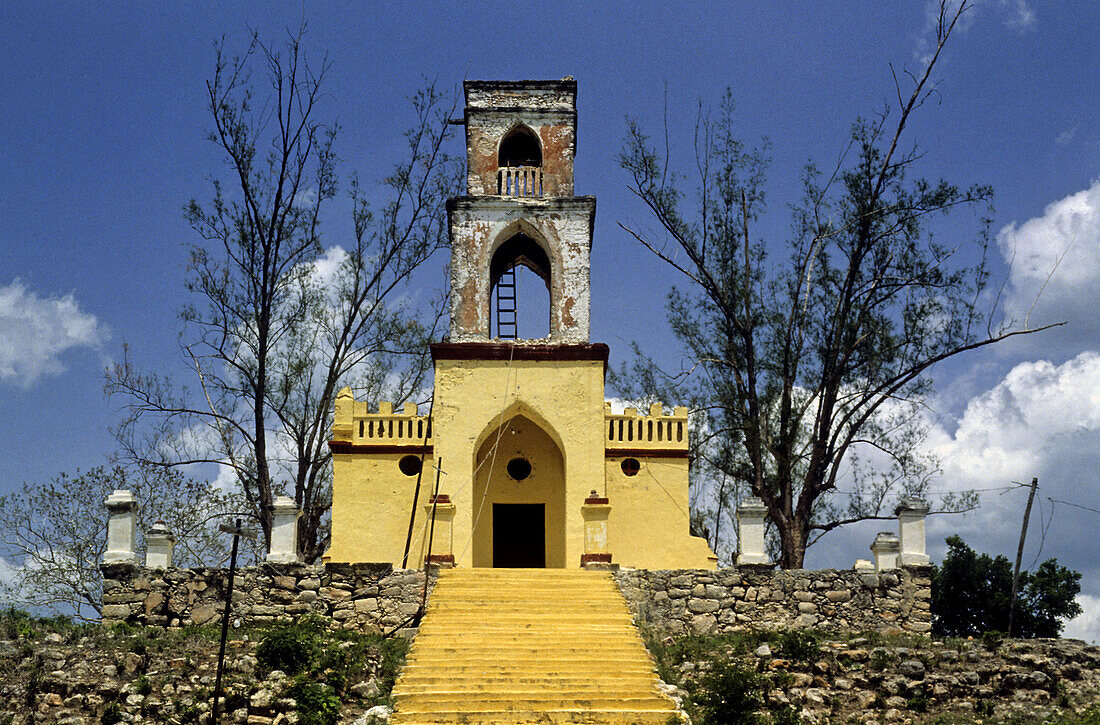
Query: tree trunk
point(793, 547)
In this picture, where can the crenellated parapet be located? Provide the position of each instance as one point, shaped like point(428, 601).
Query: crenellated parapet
point(637, 434)
point(355, 426)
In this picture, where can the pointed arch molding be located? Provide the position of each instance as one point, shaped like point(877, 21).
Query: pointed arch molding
point(516, 409)
point(548, 267)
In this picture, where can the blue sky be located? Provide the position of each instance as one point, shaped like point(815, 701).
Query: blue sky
point(103, 143)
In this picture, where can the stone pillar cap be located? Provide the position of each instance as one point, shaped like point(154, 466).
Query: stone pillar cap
point(284, 504)
point(120, 499)
point(752, 503)
point(911, 504)
point(159, 528)
point(885, 539)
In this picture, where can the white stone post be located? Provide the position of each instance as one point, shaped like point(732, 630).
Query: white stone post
point(885, 548)
point(284, 531)
point(121, 528)
point(750, 536)
point(595, 513)
point(443, 537)
point(911, 513)
point(159, 542)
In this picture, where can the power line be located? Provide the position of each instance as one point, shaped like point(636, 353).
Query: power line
point(1074, 505)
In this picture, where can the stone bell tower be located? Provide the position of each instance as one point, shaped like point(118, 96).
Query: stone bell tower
point(520, 208)
point(535, 469)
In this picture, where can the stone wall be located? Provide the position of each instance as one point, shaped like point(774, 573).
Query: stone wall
point(369, 597)
point(374, 597)
point(698, 602)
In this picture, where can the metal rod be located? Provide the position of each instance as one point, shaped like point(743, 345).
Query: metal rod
point(225, 624)
point(431, 536)
point(416, 493)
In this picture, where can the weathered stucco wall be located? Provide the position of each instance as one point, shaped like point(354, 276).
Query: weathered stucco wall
point(698, 602)
point(369, 597)
point(561, 227)
point(548, 108)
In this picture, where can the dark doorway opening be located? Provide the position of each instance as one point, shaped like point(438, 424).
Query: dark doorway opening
point(519, 535)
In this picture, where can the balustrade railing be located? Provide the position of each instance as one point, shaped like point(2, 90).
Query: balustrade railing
point(655, 430)
point(353, 424)
point(519, 181)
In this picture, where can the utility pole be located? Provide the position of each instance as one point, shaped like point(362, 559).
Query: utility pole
point(1020, 555)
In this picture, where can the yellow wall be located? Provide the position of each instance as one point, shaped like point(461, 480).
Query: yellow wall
point(371, 502)
point(649, 525)
point(550, 411)
point(563, 398)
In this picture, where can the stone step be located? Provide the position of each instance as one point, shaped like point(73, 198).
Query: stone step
point(576, 660)
point(516, 646)
point(540, 717)
point(522, 647)
point(528, 700)
point(509, 643)
point(485, 680)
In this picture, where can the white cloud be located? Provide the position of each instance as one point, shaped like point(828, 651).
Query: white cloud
point(1085, 626)
point(9, 575)
point(1017, 15)
point(1066, 136)
point(1041, 420)
point(1055, 264)
point(1010, 429)
point(35, 331)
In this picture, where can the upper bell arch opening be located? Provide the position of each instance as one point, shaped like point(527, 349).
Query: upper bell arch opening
point(519, 163)
point(519, 249)
point(520, 147)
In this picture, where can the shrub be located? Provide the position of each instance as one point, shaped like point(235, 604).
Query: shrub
point(317, 703)
point(143, 687)
point(730, 693)
point(799, 645)
point(786, 715)
point(111, 715)
point(288, 648)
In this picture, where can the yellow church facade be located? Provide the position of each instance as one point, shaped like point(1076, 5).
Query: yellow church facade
point(534, 468)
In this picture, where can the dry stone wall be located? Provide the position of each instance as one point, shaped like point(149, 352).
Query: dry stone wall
point(699, 602)
point(373, 597)
point(369, 597)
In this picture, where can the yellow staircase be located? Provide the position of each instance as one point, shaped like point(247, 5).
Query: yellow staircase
point(528, 646)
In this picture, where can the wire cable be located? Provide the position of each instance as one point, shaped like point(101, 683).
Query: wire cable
point(508, 388)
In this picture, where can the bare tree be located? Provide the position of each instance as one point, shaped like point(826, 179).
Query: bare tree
point(806, 358)
point(280, 322)
point(54, 534)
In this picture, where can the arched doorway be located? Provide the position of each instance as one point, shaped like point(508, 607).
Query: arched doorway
point(519, 498)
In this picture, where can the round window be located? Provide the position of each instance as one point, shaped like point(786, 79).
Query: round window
point(519, 468)
point(409, 465)
point(631, 466)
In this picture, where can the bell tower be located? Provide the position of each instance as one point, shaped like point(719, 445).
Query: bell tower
point(520, 210)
